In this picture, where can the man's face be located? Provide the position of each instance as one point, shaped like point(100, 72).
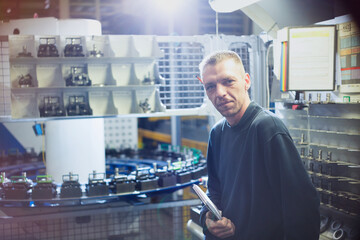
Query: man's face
point(227, 89)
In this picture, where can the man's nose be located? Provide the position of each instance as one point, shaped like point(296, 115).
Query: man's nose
point(220, 91)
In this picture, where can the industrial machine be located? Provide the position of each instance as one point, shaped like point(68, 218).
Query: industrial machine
point(323, 120)
point(151, 170)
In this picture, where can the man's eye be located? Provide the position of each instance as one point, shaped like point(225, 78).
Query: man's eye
point(229, 81)
point(208, 88)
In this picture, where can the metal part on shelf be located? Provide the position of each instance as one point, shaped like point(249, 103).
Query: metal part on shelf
point(78, 106)
point(95, 52)
point(24, 52)
point(51, 106)
point(302, 139)
point(147, 80)
point(47, 48)
point(25, 81)
point(145, 106)
point(78, 77)
point(73, 48)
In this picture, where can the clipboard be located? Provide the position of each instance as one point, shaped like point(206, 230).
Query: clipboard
point(206, 200)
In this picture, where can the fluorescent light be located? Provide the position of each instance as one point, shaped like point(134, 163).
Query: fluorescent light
point(225, 6)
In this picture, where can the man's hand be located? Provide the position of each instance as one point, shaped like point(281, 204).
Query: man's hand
point(220, 228)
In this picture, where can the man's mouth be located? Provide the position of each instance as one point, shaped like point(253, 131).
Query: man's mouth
point(223, 104)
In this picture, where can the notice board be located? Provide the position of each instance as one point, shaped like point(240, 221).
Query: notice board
point(311, 58)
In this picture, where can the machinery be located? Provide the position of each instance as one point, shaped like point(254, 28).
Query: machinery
point(47, 48)
point(95, 52)
point(24, 52)
point(25, 81)
point(77, 77)
point(122, 183)
point(145, 106)
point(73, 48)
point(324, 127)
point(166, 176)
point(131, 172)
point(97, 185)
point(18, 187)
point(45, 188)
point(70, 187)
point(145, 179)
point(328, 151)
point(78, 106)
point(52, 106)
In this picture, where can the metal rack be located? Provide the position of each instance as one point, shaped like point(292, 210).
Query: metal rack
point(327, 137)
point(141, 221)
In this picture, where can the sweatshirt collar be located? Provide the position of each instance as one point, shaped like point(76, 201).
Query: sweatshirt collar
point(247, 118)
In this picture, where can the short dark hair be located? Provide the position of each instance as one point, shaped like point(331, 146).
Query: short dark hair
point(219, 56)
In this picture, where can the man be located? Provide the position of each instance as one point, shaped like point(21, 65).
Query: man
point(256, 177)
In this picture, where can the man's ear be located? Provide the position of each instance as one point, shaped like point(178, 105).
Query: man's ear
point(247, 81)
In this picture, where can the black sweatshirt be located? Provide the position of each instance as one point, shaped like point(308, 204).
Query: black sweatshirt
point(257, 179)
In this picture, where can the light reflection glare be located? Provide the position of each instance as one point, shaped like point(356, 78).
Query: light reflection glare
point(167, 6)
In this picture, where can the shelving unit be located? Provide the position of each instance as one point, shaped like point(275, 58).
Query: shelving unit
point(126, 61)
point(328, 137)
point(113, 75)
